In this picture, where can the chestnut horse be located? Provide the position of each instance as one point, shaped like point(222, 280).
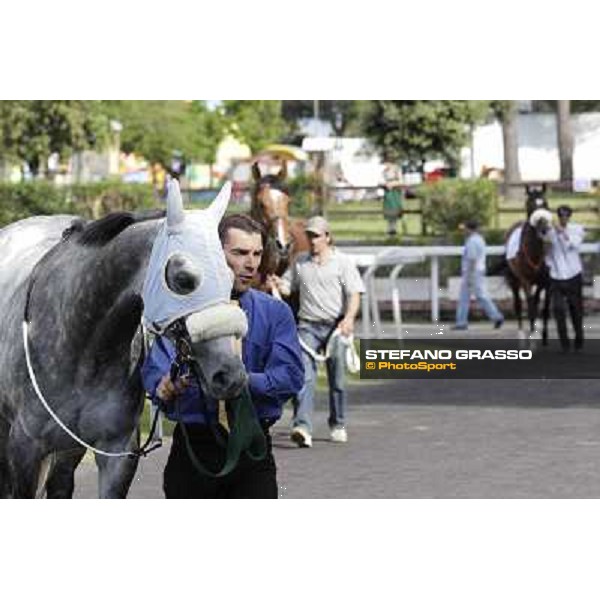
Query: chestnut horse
point(270, 206)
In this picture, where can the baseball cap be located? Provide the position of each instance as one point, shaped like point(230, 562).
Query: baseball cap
point(318, 225)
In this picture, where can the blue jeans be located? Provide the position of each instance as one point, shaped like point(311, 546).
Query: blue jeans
point(475, 285)
point(315, 335)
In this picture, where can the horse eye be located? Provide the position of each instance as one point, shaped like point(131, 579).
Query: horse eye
point(182, 275)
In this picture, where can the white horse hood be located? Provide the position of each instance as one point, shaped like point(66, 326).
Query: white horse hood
point(194, 236)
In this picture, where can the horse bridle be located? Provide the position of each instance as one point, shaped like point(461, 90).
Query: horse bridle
point(528, 259)
point(270, 224)
point(185, 361)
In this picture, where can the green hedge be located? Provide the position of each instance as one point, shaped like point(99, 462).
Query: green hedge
point(93, 200)
point(448, 203)
point(301, 190)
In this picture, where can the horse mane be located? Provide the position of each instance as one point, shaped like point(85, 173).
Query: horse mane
point(102, 231)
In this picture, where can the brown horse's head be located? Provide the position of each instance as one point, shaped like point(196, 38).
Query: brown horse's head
point(270, 205)
point(536, 198)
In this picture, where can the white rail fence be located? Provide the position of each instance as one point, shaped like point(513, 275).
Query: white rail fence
point(389, 288)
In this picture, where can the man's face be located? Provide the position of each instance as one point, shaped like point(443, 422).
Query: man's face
point(563, 219)
point(243, 253)
point(318, 241)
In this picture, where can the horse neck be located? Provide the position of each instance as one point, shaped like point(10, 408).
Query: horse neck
point(533, 240)
point(85, 287)
point(298, 236)
point(531, 252)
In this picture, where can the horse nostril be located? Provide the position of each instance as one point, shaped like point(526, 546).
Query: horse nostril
point(220, 378)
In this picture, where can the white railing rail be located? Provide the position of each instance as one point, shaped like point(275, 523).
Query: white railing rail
point(373, 257)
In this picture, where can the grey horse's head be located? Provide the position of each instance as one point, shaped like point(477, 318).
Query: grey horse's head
point(189, 283)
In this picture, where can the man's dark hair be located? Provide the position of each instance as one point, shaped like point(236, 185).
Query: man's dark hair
point(564, 211)
point(244, 223)
point(472, 225)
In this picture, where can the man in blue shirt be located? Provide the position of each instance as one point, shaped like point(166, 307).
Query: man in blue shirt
point(473, 280)
point(272, 357)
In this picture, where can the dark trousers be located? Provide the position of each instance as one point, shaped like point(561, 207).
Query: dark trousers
point(567, 294)
point(249, 479)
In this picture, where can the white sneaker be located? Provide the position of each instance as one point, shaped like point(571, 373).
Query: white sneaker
point(338, 435)
point(300, 436)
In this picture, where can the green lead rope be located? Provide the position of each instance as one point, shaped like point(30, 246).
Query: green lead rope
point(245, 435)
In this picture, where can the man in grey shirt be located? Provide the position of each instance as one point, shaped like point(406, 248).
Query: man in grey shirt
point(329, 287)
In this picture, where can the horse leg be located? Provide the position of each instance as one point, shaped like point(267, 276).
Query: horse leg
point(25, 457)
point(115, 475)
point(61, 481)
point(5, 481)
point(531, 312)
point(517, 304)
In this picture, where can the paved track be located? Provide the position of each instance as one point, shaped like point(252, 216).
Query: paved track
point(437, 439)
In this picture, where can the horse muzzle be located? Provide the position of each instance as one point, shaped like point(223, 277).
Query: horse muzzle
point(215, 334)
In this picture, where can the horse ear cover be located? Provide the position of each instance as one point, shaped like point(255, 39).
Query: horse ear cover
point(219, 205)
point(540, 213)
point(194, 234)
point(175, 212)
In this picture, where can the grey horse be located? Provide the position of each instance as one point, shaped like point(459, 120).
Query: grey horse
point(81, 286)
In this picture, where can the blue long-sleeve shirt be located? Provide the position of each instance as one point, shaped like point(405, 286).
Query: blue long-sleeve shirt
point(270, 352)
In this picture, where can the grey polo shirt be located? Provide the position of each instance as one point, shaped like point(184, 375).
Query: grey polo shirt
point(324, 288)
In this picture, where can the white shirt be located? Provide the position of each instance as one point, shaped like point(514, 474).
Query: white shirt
point(562, 253)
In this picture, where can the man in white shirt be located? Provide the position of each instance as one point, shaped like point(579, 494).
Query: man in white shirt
point(566, 282)
point(330, 286)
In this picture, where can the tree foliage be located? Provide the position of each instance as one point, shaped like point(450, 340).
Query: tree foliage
point(32, 130)
point(420, 130)
point(343, 115)
point(254, 122)
point(158, 128)
point(448, 203)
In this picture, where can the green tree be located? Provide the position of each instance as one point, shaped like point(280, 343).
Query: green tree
point(32, 130)
point(156, 129)
point(254, 122)
point(420, 130)
point(343, 115)
point(508, 114)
